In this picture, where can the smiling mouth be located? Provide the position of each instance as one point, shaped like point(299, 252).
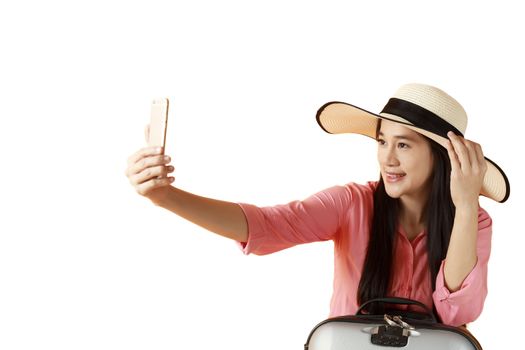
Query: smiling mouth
point(394, 176)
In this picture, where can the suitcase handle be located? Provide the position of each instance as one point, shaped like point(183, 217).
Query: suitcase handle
point(399, 301)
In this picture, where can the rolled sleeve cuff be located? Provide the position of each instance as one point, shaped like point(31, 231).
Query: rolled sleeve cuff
point(255, 233)
point(464, 293)
point(465, 304)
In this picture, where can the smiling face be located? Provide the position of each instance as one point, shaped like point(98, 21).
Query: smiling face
point(406, 162)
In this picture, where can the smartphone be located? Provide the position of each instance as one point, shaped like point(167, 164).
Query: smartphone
point(158, 122)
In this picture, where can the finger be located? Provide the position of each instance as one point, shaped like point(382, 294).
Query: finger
point(150, 185)
point(156, 172)
point(479, 153)
point(481, 158)
point(477, 160)
point(454, 161)
point(148, 162)
point(461, 150)
point(472, 156)
point(142, 153)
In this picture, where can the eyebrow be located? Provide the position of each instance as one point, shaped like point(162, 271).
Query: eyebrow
point(398, 137)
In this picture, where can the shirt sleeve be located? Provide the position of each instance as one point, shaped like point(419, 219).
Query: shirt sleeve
point(316, 218)
point(465, 305)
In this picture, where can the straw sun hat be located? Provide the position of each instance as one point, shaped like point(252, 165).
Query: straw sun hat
point(422, 108)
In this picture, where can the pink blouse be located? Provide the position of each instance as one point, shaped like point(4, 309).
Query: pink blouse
point(343, 214)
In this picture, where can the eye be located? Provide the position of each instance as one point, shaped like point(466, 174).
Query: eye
point(381, 142)
point(402, 145)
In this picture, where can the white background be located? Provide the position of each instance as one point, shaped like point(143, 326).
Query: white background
point(86, 263)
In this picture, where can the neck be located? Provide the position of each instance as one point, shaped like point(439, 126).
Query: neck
point(412, 215)
point(413, 206)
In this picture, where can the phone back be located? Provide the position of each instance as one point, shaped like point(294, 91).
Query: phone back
point(158, 122)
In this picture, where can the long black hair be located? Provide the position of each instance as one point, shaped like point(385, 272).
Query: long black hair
point(440, 210)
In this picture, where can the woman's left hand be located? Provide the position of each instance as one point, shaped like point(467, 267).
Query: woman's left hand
point(468, 170)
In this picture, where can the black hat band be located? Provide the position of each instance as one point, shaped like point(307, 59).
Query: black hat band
point(420, 117)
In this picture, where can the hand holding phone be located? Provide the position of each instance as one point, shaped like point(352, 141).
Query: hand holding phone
point(158, 123)
point(148, 169)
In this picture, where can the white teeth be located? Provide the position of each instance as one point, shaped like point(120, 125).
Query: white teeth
point(394, 176)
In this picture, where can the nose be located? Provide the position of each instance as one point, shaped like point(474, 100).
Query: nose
point(387, 156)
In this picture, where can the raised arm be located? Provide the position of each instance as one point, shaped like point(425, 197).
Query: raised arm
point(468, 170)
point(148, 171)
point(224, 218)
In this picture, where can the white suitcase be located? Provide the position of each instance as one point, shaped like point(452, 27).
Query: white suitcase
point(394, 329)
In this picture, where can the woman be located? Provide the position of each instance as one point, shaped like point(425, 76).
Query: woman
point(417, 233)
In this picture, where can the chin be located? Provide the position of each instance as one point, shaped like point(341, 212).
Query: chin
point(393, 194)
point(395, 190)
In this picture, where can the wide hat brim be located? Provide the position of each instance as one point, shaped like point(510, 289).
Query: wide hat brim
point(341, 117)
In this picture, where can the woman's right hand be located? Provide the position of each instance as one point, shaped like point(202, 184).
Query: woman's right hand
point(148, 170)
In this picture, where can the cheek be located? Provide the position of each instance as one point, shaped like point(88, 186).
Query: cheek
point(422, 169)
point(424, 176)
point(419, 167)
